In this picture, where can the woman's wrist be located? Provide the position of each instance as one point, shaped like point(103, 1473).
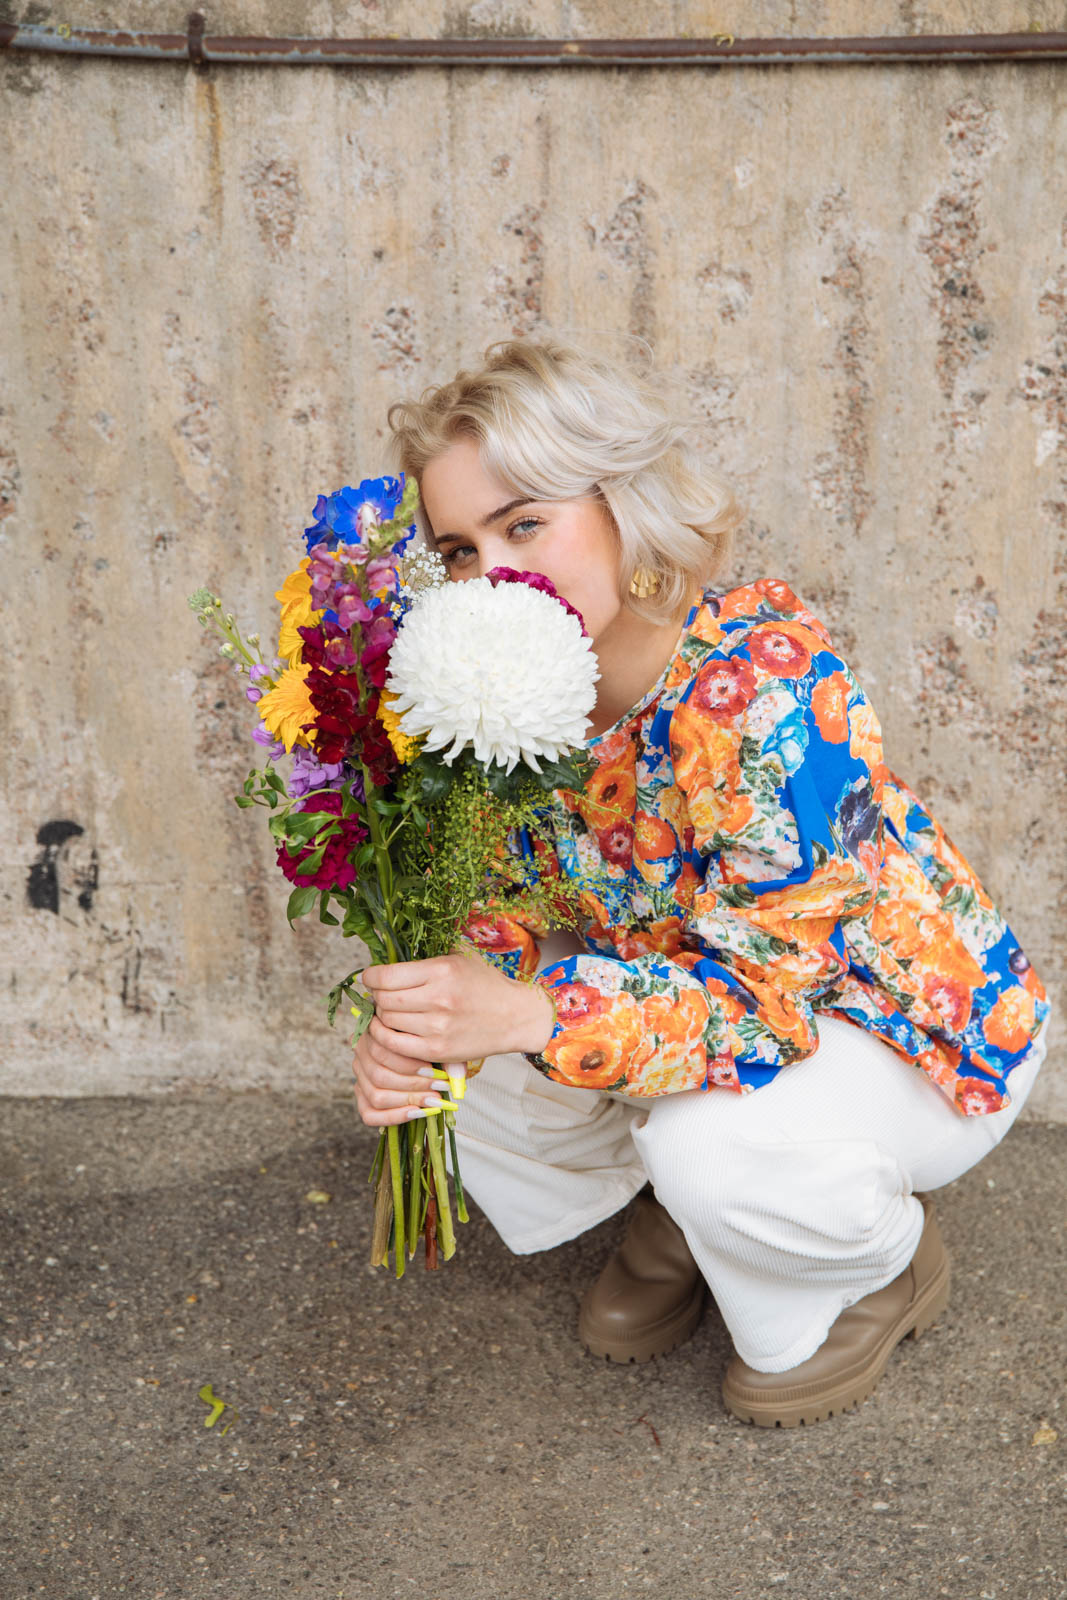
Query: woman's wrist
point(537, 1022)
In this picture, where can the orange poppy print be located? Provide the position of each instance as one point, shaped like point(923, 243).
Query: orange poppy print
point(973, 1095)
point(829, 704)
point(595, 1054)
point(611, 793)
point(1010, 1023)
point(864, 734)
point(778, 593)
point(949, 997)
point(655, 848)
point(673, 1039)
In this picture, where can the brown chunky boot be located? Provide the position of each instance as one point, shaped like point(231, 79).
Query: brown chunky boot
point(845, 1369)
point(650, 1296)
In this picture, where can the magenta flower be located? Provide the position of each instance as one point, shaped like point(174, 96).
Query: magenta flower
point(335, 871)
point(535, 580)
point(350, 605)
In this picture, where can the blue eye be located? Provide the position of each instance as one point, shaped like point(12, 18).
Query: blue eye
point(460, 553)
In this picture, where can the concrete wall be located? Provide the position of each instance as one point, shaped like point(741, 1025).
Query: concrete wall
point(213, 284)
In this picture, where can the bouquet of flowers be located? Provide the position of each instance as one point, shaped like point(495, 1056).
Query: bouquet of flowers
point(425, 724)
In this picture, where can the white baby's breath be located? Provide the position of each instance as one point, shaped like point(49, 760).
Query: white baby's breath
point(505, 670)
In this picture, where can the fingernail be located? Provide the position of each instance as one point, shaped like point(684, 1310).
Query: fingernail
point(427, 1072)
point(433, 1100)
point(457, 1082)
point(417, 1111)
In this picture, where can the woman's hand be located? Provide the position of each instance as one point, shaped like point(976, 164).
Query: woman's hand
point(390, 1087)
point(455, 1008)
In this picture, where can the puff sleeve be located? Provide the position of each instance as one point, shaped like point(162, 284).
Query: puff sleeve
point(778, 756)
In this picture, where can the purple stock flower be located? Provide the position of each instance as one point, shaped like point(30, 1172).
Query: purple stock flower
point(325, 572)
point(262, 735)
point(308, 773)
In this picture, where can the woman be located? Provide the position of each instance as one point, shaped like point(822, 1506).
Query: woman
point(792, 1006)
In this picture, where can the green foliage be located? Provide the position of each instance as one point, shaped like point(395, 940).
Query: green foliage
point(300, 900)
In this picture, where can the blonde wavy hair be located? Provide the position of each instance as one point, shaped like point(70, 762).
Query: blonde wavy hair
point(556, 422)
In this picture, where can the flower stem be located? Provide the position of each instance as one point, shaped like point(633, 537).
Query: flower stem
point(383, 1216)
point(461, 1202)
point(397, 1173)
point(417, 1134)
point(445, 1232)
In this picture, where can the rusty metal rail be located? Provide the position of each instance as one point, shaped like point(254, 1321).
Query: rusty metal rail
point(721, 50)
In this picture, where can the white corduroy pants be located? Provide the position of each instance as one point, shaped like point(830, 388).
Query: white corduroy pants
point(796, 1200)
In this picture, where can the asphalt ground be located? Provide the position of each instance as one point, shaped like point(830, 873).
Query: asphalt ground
point(445, 1437)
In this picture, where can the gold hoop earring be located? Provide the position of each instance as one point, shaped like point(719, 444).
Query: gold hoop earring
point(644, 583)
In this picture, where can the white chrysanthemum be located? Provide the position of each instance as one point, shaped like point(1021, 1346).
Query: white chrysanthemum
point(505, 670)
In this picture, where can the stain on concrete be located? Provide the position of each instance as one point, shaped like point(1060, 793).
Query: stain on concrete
point(207, 99)
point(87, 318)
point(839, 483)
point(954, 245)
point(197, 406)
point(730, 288)
point(485, 19)
point(223, 744)
point(395, 339)
point(133, 998)
point(625, 239)
point(274, 188)
point(1040, 716)
point(1043, 379)
point(713, 395)
point(10, 472)
point(517, 298)
point(944, 694)
point(978, 611)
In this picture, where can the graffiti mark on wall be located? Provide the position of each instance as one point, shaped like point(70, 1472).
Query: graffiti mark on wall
point(53, 868)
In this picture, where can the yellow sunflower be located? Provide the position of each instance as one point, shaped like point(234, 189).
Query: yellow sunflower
point(295, 597)
point(404, 747)
point(287, 706)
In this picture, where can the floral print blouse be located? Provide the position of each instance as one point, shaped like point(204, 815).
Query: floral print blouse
point(750, 862)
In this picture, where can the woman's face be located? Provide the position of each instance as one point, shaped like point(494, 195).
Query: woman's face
point(478, 523)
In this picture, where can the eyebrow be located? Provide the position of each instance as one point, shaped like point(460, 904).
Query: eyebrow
point(494, 516)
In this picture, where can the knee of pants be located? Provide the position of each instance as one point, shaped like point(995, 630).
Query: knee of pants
point(816, 1199)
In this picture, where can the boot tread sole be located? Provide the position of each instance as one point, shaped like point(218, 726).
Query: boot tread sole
point(794, 1407)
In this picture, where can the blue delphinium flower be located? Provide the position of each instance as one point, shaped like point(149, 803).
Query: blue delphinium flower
point(350, 516)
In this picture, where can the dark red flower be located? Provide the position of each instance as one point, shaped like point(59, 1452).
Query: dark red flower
point(343, 731)
point(316, 639)
point(335, 696)
point(617, 843)
point(778, 652)
point(577, 1002)
point(335, 871)
point(376, 641)
point(724, 688)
